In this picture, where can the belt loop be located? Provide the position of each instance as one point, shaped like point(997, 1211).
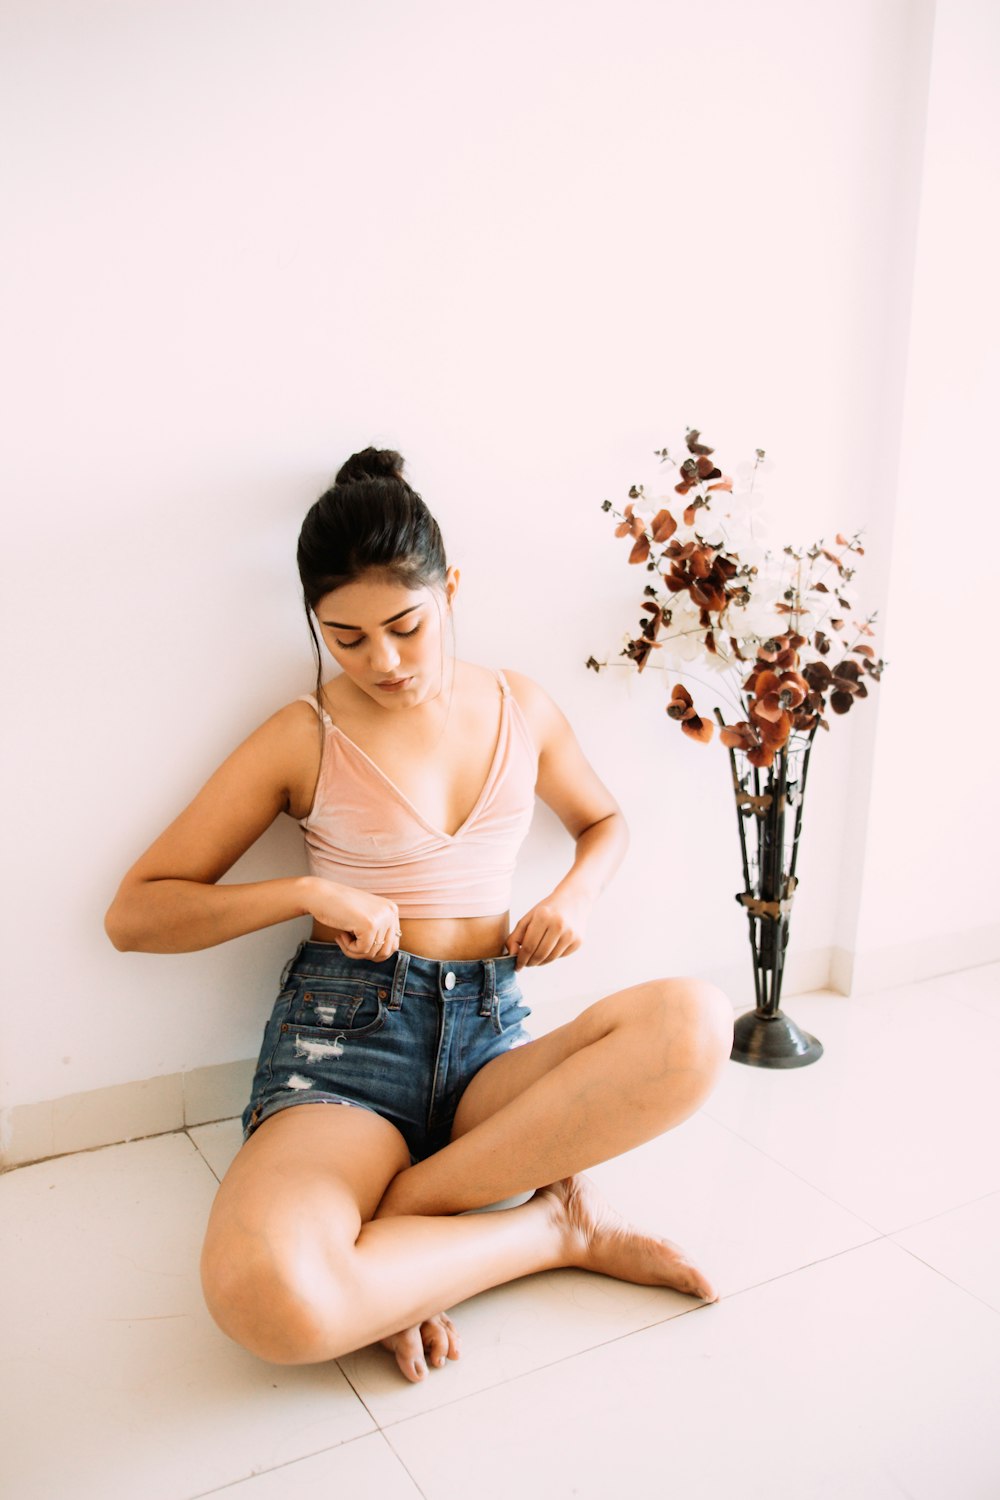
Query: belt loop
point(399, 980)
point(489, 987)
point(289, 966)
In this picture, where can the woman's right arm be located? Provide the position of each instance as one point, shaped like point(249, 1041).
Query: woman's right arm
point(169, 901)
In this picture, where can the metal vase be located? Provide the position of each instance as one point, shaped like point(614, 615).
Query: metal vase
point(765, 1037)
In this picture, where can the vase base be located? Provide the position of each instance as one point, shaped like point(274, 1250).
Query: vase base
point(775, 1041)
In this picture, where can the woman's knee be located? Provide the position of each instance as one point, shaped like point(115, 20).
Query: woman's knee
point(278, 1267)
point(276, 1294)
point(694, 1021)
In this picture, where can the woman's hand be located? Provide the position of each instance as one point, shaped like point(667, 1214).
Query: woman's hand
point(552, 929)
point(365, 926)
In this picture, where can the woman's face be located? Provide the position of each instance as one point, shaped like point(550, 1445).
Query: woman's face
point(388, 637)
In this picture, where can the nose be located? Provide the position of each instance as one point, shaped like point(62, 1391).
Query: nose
point(384, 656)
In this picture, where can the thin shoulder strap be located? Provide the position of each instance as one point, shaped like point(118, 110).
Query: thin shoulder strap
point(310, 698)
point(504, 685)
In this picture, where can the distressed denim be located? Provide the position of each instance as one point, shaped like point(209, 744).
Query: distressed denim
point(402, 1038)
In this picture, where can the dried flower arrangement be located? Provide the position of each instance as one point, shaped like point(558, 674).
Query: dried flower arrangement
point(721, 597)
point(769, 621)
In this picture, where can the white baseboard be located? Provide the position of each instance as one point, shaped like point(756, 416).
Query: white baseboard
point(124, 1112)
point(908, 963)
point(151, 1106)
point(805, 970)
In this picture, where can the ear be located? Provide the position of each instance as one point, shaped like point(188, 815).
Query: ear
point(451, 582)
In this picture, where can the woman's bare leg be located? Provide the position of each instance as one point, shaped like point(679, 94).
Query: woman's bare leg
point(296, 1269)
point(292, 1270)
point(625, 1070)
point(616, 1248)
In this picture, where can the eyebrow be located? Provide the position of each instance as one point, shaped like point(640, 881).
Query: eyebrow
point(339, 624)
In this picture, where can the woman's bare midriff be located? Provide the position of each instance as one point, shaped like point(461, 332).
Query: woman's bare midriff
point(444, 937)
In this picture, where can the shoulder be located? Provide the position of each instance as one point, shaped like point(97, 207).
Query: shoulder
point(285, 752)
point(294, 723)
point(567, 781)
point(545, 719)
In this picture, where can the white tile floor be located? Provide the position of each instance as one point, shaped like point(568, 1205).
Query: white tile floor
point(849, 1212)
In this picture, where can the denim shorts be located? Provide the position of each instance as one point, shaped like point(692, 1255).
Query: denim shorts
point(403, 1037)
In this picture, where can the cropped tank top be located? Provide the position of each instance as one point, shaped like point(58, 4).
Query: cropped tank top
point(362, 831)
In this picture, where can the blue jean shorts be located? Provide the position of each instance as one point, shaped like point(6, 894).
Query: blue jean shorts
point(402, 1038)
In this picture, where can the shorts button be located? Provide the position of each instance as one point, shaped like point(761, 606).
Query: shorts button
point(383, 994)
point(449, 980)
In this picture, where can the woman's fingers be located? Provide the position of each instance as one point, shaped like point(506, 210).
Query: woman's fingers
point(542, 941)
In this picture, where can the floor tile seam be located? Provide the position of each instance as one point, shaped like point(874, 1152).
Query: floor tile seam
point(562, 1359)
point(187, 1131)
point(955, 1209)
point(132, 1140)
point(945, 1277)
point(877, 1239)
point(401, 1460)
point(798, 1175)
point(354, 1388)
point(231, 1484)
point(980, 1010)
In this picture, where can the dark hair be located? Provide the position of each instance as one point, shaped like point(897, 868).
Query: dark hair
point(369, 520)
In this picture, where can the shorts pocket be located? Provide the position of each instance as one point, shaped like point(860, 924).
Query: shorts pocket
point(338, 1005)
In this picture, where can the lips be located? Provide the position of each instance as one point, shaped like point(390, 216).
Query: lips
point(395, 685)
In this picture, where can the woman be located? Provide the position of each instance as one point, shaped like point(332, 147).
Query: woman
point(414, 776)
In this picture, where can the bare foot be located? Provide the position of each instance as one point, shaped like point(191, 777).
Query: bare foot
point(431, 1344)
point(599, 1239)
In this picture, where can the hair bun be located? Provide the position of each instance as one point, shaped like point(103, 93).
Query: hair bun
point(371, 463)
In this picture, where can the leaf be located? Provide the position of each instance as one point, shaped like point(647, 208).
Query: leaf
point(691, 438)
point(698, 729)
point(663, 526)
point(818, 675)
point(762, 758)
point(640, 551)
point(765, 682)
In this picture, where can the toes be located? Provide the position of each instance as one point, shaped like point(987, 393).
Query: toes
point(433, 1343)
point(409, 1351)
point(440, 1339)
point(454, 1342)
point(699, 1285)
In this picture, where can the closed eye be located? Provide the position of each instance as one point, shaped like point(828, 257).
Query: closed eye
point(351, 645)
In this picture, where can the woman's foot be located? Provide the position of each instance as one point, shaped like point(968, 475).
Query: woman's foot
point(431, 1343)
point(599, 1239)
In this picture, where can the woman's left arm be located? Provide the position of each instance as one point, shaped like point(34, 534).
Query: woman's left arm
point(567, 783)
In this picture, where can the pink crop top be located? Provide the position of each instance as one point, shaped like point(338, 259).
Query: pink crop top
point(363, 832)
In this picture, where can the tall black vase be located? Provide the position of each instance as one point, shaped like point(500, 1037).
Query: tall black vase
point(765, 1037)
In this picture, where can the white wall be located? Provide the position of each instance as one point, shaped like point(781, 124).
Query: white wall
point(929, 893)
point(525, 245)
